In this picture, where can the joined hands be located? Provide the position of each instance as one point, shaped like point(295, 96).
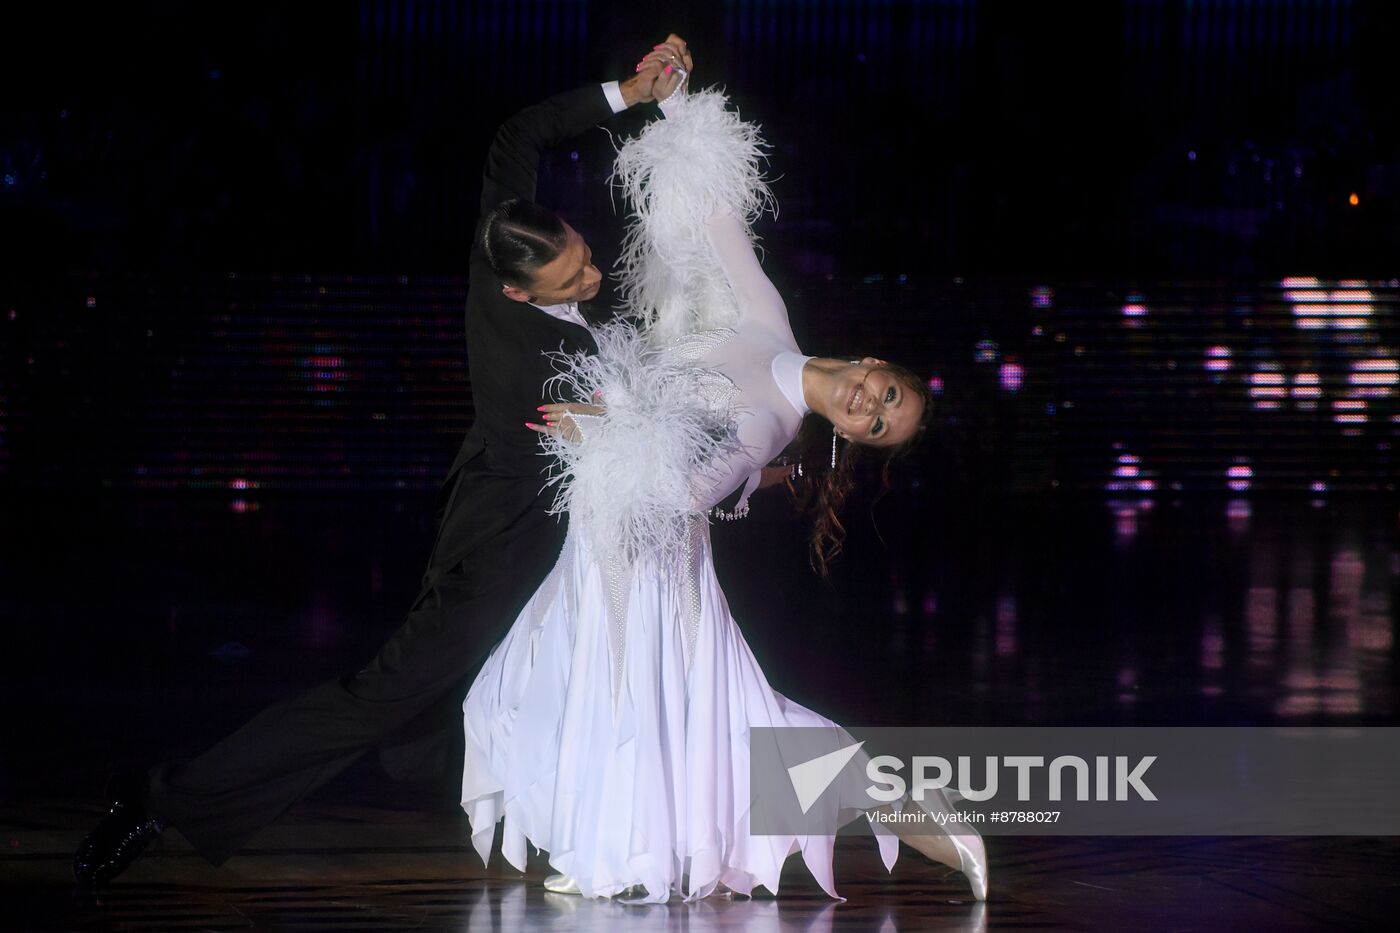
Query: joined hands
point(660, 73)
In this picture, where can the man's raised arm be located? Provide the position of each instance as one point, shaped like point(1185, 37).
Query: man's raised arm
point(512, 162)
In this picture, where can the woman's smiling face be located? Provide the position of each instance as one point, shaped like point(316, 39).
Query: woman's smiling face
point(870, 405)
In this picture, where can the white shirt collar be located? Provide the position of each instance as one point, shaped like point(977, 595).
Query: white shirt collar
point(566, 311)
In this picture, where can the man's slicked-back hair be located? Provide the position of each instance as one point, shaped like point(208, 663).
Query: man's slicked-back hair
point(519, 236)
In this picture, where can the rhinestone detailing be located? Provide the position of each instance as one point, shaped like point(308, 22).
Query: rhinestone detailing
point(693, 347)
point(690, 588)
point(717, 389)
point(731, 515)
point(619, 582)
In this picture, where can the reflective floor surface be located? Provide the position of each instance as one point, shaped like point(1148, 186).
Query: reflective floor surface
point(142, 628)
point(356, 868)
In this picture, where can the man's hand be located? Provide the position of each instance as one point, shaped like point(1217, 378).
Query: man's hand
point(676, 64)
point(660, 72)
point(774, 476)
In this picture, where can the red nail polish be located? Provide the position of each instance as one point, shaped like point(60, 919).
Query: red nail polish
point(668, 69)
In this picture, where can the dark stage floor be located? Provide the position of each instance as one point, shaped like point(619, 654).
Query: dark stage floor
point(148, 627)
point(355, 868)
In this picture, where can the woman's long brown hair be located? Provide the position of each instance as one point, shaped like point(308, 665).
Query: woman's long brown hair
point(821, 489)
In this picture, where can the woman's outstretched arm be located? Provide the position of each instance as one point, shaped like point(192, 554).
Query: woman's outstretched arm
point(758, 300)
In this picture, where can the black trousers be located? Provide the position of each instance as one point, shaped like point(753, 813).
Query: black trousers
point(219, 799)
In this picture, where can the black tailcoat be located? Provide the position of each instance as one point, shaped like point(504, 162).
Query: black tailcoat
point(496, 542)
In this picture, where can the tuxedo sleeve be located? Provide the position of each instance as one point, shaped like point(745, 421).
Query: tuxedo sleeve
point(513, 161)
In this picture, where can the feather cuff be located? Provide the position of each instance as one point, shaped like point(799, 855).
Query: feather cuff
point(676, 174)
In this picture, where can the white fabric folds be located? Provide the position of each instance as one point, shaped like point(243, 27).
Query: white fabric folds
point(654, 792)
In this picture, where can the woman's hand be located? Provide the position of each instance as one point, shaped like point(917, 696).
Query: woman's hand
point(558, 422)
point(675, 63)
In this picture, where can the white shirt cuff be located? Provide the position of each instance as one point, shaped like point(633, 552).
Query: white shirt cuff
point(614, 95)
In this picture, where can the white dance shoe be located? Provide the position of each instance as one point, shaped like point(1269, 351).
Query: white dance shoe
point(563, 884)
point(972, 853)
point(972, 859)
point(560, 884)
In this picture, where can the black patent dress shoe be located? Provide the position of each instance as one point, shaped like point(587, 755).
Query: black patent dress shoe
point(119, 839)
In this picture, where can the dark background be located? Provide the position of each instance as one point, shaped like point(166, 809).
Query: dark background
point(1110, 138)
point(1117, 237)
point(233, 246)
point(234, 235)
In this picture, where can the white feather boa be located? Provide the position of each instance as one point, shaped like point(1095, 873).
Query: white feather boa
point(676, 174)
point(636, 475)
point(632, 478)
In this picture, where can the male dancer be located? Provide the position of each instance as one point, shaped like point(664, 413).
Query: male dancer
point(496, 541)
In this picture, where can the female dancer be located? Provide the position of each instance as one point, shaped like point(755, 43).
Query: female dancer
point(610, 726)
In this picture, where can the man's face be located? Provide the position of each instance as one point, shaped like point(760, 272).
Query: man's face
point(570, 276)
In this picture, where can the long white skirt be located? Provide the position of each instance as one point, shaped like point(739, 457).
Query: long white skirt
point(634, 772)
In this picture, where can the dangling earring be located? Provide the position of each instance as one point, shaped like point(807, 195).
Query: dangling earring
point(833, 450)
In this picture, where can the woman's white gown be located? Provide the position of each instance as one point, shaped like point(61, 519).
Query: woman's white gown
point(610, 726)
